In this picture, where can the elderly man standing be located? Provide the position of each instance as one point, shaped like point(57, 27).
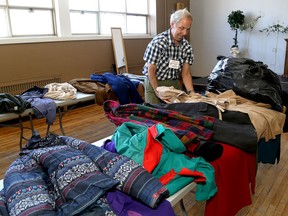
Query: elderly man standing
point(168, 58)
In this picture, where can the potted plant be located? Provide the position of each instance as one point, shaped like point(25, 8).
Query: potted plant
point(236, 20)
point(278, 29)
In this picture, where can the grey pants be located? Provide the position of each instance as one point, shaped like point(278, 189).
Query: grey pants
point(150, 96)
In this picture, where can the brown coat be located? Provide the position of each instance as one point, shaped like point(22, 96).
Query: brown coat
point(102, 91)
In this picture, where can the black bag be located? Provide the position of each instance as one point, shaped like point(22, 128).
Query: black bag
point(247, 78)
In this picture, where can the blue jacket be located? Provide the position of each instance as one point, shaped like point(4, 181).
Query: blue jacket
point(122, 86)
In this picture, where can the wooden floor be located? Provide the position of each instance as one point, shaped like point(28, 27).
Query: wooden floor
point(90, 124)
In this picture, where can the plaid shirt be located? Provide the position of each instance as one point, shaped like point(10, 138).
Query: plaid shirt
point(188, 129)
point(161, 50)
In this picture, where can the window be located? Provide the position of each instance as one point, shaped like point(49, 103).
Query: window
point(4, 31)
point(29, 20)
point(26, 18)
point(83, 16)
point(98, 16)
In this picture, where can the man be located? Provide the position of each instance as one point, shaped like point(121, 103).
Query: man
point(168, 58)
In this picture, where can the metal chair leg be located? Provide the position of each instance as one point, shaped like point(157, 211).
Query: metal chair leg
point(183, 209)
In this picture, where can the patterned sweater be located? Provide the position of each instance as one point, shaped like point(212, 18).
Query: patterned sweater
point(60, 175)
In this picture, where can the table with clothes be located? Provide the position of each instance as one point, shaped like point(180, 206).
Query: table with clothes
point(40, 102)
point(197, 134)
point(207, 140)
point(190, 140)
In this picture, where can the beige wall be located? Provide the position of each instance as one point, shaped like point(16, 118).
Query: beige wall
point(75, 59)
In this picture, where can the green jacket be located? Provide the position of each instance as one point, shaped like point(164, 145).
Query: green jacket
point(162, 153)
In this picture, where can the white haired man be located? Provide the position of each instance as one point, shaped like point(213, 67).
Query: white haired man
point(168, 58)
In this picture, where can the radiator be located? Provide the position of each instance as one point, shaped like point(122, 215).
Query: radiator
point(18, 87)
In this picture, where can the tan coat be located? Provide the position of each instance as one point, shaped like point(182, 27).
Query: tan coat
point(267, 122)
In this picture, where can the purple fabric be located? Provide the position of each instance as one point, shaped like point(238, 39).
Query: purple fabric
point(109, 145)
point(124, 205)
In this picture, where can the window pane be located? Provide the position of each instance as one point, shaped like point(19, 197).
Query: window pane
point(3, 24)
point(112, 5)
point(137, 6)
point(2, 2)
point(83, 23)
point(136, 24)
point(35, 22)
point(88, 5)
point(109, 20)
point(31, 3)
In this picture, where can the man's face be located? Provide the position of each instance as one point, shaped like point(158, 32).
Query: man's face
point(181, 29)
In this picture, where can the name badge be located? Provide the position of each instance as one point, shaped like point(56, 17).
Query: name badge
point(174, 64)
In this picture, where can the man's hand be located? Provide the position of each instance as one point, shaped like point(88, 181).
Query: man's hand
point(162, 97)
point(194, 94)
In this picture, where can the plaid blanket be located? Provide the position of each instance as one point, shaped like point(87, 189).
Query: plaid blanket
point(189, 129)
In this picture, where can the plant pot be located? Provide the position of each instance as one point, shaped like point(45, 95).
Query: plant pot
point(234, 51)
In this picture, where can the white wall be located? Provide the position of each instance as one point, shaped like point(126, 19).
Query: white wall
point(211, 34)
